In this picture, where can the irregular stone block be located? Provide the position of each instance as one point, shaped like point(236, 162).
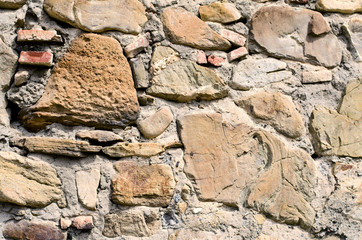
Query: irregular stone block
point(8, 62)
point(162, 57)
point(221, 12)
point(136, 46)
point(127, 16)
point(125, 149)
point(99, 136)
point(21, 77)
point(353, 31)
point(237, 54)
point(4, 115)
point(155, 124)
point(87, 185)
point(201, 57)
point(12, 4)
point(36, 58)
point(36, 35)
point(317, 76)
point(28, 182)
point(76, 94)
point(352, 101)
point(146, 100)
point(83, 222)
point(141, 76)
point(65, 223)
point(182, 27)
point(215, 60)
point(233, 37)
point(147, 185)
point(341, 6)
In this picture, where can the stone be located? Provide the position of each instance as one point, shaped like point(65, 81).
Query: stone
point(221, 12)
point(260, 219)
point(353, 31)
point(36, 58)
point(100, 136)
point(135, 222)
point(127, 16)
point(26, 230)
point(299, 1)
point(341, 6)
point(4, 115)
point(141, 76)
point(156, 124)
point(317, 76)
point(302, 35)
point(146, 100)
point(185, 81)
point(28, 182)
point(57, 146)
point(8, 62)
point(189, 234)
point(276, 110)
point(21, 77)
point(235, 164)
point(182, 27)
point(135, 47)
point(37, 35)
point(233, 37)
point(237, 54)
point(87, 185)
point(352, 101)
point(251, 73)
point(162, 57)
point(215, 60)
point(146, 185)
point(75, 92)
point(125, 149)
point(83, 222)
point(65, 223)
point(12, 4)
point(201, 57)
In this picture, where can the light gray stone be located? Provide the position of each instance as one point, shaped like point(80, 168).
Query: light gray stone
point(8, 62)
point(87, 184)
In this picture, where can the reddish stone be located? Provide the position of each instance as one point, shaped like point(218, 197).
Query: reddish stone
point(38, 36)
point(237, 53)
point(201, 57)
point(36, 58)
point(233, 37)
point(83, 223)
point(136, 46)
point(215, 60)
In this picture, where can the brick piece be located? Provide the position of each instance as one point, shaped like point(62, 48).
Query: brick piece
point(233, 37)
point(136, 46)
point(237, 53)
point(83, 223)
point(215, 60)
point(36, 58)
point(201, 57)
point(36, 35)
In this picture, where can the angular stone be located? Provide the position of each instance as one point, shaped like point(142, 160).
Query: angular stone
point(182, 27)
point(125, 149)
point(26, 230)
point(251, 73)
point(65, 223)
point(352, 101)
point(201, 57)
point(99, 136)
point(317, 76)
point(237, 54)
point(301, 35)
point(87, 185)
point(83, 222)
point(141, 76)
point(76, 92)
point(21, 77)
point(127, 16)
point(275, 109)
point(185, 81)
point(136, 46)
point(226, 160)
point(135, 222)
point(341, 6)
point(4, 115)
point(155, 124)
point(146, 100)
point(28, 182)
point(12, 4)
point(215, 60)
point(36, 58)
point(162, 56)
point(299, 1)
point(353, 31)
point(36, 35)
point(221, 12)
point(8, 61)
point(233, 37)
point(147, 185)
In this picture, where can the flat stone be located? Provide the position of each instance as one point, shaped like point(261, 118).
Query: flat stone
point(8, 62)
point(35, 35)
point(135, 222)
point(251, 73)
point(185, 81)
point(99, 136)
point(155, 124)
point(147, 185)
point(26, 230)
point(75, 92)
point(127, 16)
point(317, 76)
point(221, 12)
point(302, 35)
point(233, 37)
point(57, 146)
point(135, 47)
point(275, 109)
point(237, 54)
point(125, 149)
point(83, 222)
point(353, 31)
point(352, 101)
point(141, 76)
point(4, 115)
point(341, 6)
point(162, 57)
point(182, 27)
point(12, 4)
point(28, 182)
point(36, 58)
point(87, 185)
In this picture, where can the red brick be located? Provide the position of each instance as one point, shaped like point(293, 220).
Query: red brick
point(233, 37)
point(201, 57)
point(36, 58)
point(136, 46)
point(237, 53)
point(215, 60)
point(38, 36)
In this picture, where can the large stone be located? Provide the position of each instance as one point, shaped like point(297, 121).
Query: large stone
point(99, 15)
point(219, 12)
point(25, 230)
point(252, 73)
point(135, 222)
point(184, 81)
point(12, 4)
point(275, 109)
point(125, 149)
point(155, 124)
point(147, 185)
point(352, 101)
point(87, 185)
point(28, 182)
point(8, 61)
point(341, 6)
point(76, 93)
point(182, 27)
point(302, 35)
point(235, 164)
point(353, 30)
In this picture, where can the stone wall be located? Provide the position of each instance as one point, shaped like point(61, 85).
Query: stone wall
point(165, 119)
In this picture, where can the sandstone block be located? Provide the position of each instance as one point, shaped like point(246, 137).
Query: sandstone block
point(221, 12)
point(155, 124)
point(125, 149)
point(237, 54)
point(35, 35)
point(352, 101)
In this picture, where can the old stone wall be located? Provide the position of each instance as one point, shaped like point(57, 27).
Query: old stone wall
point(189, 119)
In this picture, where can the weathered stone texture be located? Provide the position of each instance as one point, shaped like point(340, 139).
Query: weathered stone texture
point(125, 149)
point(219, 12)
point(12, 4)
point(8, 60)
point(99, 136)
point(353, 31)
point(342, 6)
point(155, 124)
point(352, 101)
point(87, 185)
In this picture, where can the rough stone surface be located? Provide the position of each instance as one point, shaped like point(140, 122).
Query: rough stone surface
point(342, 6)
point(317, 76)
point(87, 185)
point(353, 30)
point(27, 182)
point(99, 136)
point(36, 35)
point(83, 223)
point(155, 124)
point(8, 60)
point(352, 101)
point(12, 4)
point(4, 115)
point(182, 27)
point(125, 149)
point(162, 57)
point(75, 94)
point(141, 76)
point(148, 185)
point(101, 15)
point(302, 35)
point(219, 12)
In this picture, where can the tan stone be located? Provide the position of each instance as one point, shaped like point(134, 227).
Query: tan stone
point(83, 222)
point(125, 149)
point(275, 109)
point(99, 136)
point(99, 15)
point(8, 61)
point(317, 76)
point(76, 92)
point(87, 185)
point(12, 4)
point(182, 27)
point(342, 6)
point(147, 185)
point(28, 182)
point(260, 219)
point(155, 124)
point(161, 57)
point(219, 12)
point(266, 237)
point(352, 101)
point(189, 234)
point(353, 31)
